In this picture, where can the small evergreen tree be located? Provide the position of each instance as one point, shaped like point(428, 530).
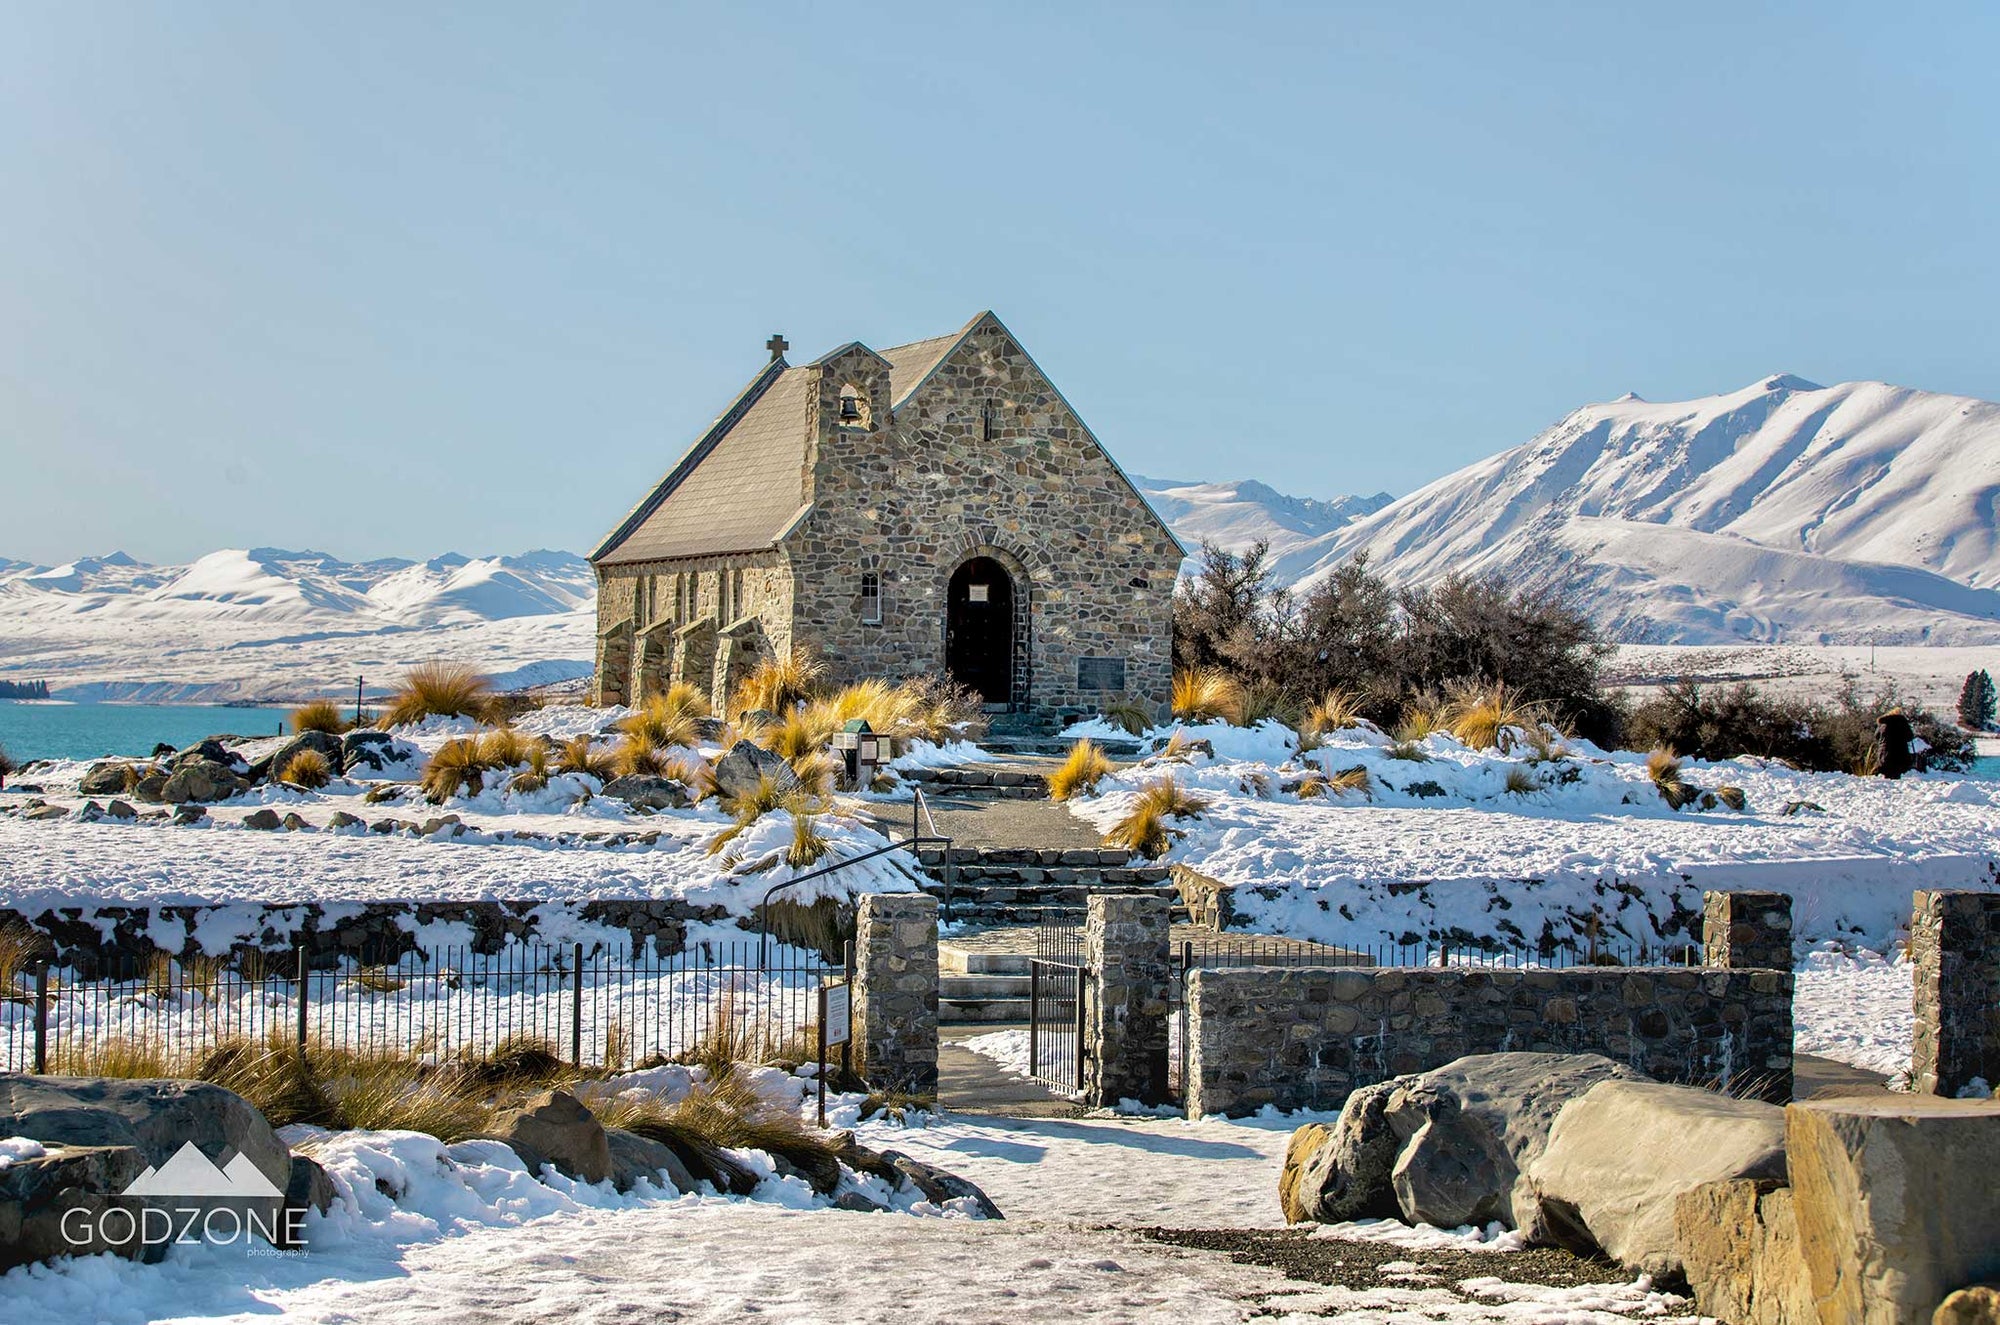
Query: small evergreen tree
point(1977, 701)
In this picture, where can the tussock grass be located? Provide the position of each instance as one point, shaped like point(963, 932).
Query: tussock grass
point(534, 774)
point(503, 747)
point(638, 756)
point(1147, 827)
point(1545, 744)
point(1351, 779)
point(1521, 781)
point(808, 844)
point(1179, 746)
point(308, 768)
point(320, 715)
point(1733, 797)
point(1203, 694)
point(455, 769)
point(1266, 699)
point(133, 774)
point(442, 690)
point(1421, 720)
point(580, 755)
point(1663, 766)
point(1080, 773)
point(1488, 718)
point(1310, 787)
point(1131, 716)
point(22, 948)
point(763, 797)
point(1410, 750)
point(1336, 710)
point(669, 719)
point(7, 766)
point(817, 773)
point(779, 685)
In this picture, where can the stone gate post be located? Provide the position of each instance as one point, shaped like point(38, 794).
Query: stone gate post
point(895, 1007)
point(1955, 947)
point(1125, 943)
point(1747, 930)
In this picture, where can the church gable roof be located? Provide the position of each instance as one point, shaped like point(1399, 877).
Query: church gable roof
point(737, 489)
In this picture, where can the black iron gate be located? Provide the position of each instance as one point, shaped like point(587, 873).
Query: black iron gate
point(1058, 1001)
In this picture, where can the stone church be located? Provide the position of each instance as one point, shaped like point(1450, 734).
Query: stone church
point(930, 508)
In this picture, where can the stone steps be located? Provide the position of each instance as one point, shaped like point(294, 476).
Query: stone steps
point(979, 783)
point(1057, 746)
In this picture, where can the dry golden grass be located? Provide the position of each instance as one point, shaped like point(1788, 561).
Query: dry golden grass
point(1204, 694)
point(308, 768)
point(669, 719)
point(1336, 710)
point(1311, 785)
point(579, 755)
point(1147, 826)
point(1663, 766)
point(444, 690)
point(1488, 718)
point(1733, 797)
point(764, 796)
point(1410, 750)
point(817, 773)
point(1179, 746)
point(1521, 781)
point(1130, 715)
point(534, 774)
point(455, 769)
point(779, 685)
point(503, 747)
point(320, 715)
point(1080, 773)
point(22, 948)
point(1351, 779)
point(638, 756)
point(1265, 700)
point(1421, 719)
point(808, 845)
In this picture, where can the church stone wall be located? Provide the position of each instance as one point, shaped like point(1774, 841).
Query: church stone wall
point(642, 608)
point(912, 498)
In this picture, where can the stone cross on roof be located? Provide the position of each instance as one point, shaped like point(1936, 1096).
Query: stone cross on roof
point(777, 345)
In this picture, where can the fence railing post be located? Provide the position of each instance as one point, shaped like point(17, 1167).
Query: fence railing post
point(1082, 988)
point(1034, 1016)
point(576, 1012)
point(42, 1019)
point(304, 973)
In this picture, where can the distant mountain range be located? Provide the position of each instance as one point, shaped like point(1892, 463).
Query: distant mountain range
point(1782, 513)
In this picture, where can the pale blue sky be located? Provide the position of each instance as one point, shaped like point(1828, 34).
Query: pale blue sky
point(388, 282)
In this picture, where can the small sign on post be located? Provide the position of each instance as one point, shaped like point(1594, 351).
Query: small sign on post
point(833, 1029)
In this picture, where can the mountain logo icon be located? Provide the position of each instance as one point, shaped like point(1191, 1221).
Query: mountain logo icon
point(192, 1174)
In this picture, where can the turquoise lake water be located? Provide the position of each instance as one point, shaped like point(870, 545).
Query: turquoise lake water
point(85, 731)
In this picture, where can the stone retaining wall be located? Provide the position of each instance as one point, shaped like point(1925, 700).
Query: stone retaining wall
point(105, 940)
point(1305, 1038)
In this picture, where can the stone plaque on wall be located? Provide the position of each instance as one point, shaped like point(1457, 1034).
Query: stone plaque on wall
point(1100, 673)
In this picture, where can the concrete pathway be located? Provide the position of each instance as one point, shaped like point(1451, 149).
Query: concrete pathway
point(993, 824)
point(971, 1083)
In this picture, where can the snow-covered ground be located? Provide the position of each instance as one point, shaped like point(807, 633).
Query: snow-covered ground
point(1440, 846)
point(1855, 1007)
point(1929, 674)
point(480, 1243)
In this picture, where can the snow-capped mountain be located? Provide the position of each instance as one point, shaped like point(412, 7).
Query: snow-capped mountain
point(1786, 511)
point(1236, 515)
point(267, 623)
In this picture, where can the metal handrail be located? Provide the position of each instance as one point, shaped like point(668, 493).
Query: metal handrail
point(912, 843)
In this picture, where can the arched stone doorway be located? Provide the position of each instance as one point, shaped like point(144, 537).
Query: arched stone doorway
point(979, 629)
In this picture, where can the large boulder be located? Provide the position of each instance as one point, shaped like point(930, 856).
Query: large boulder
point(375, 752)
point(1620, 1155)
point(1334, 1174)
point(738, 772)
point(212, 751)
point(1738, 1243)
point(1896, 1202)
point(647, 791)
point(555, 1127)
point(104, 778)
point(634, 1157)
point(273, 764)
point(159, 1120)
point(938, 1186)
point(40, 1194)
point(201, 781)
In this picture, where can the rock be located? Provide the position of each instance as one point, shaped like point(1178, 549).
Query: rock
point(1739, 1246)
point(647, 791)
point(273, 764)
point(37, 1194)
point(439, 823)
point(308, 1187)
point(554, 1127)
point(151, 788)
point(939, 1186)
point(295, 822)
point(857, 1203)
point(38, 813)
point(201, 780)
point(634, 1157)
point(104, 778)
point(737, 772)
point(189, 814)
point(155, 1118)
point(1977, 1305)
point(263, 821)
point(387, 826)
point(1895, 1200)
point(121, 810)
point(1334, 1174)
point(385, 791)
point(374, 752)
point(1619, 1157)
point(342, 819)
point(211, 751)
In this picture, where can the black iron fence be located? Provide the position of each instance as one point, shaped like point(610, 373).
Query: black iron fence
point(749, 999)
point(1058, 1002)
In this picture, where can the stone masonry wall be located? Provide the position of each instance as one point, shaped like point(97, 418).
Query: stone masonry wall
point(895, 998)
point(640, 606)
point(1747, 930)
point(1304, 1038)
point(1955, 948)
point(913, 497)
point(1125, 1051)
point(97, 941)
